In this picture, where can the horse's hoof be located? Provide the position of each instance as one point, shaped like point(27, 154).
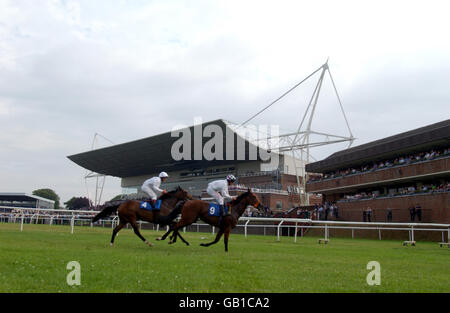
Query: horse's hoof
point(111, 244)
point(149, 244)
point(159, 238)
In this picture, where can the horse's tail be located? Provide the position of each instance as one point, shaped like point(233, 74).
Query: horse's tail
point(107, 211)
point(165, 220)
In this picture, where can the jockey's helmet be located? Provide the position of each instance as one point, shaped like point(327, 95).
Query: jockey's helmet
point(163, 174)
point(231, 178)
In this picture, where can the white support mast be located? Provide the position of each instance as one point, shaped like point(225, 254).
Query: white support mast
point(299, 142)
point(99, 178)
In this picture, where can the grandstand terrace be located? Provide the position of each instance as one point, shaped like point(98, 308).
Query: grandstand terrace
point(24, 200)
point(402, 178)
point(138, 160)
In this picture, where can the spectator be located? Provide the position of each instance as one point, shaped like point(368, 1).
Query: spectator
point(389, 214)
point(412, 213)
point(418, 210)
point(336, 211)
point(369, 214)
point(364, 216)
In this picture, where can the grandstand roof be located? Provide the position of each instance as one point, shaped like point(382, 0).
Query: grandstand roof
point(152, 155)
point(424, 138)
point(21, 196)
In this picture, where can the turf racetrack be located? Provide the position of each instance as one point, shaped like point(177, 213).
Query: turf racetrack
point(35, 260)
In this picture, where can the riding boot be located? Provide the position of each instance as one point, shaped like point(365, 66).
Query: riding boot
point(155, 212)
point(221, 214)
point(221, 210)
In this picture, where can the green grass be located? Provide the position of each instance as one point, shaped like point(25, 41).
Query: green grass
point(35, 261)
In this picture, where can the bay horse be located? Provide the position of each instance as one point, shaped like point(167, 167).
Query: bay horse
point(130, 212)
point(198, 209)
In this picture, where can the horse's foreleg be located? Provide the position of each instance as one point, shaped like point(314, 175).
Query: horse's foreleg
point(167, 233)
point(116, 230)
point(219, 234)
point(182, 223)
point(225, 238)
point(182, 239)
point(175, 235)
point(138, 233)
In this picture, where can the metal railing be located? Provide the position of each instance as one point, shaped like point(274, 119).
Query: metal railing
point(70, 217)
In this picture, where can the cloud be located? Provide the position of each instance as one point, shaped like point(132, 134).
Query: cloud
point(129, 70)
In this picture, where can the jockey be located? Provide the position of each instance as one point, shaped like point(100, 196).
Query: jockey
point(218, 189)
point(151, 186)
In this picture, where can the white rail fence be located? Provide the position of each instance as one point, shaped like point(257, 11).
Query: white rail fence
point(83, 218)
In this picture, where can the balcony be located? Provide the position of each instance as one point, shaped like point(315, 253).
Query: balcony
point(422, 169)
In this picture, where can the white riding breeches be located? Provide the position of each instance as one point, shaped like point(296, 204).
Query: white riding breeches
point(149, 192)
point(217, 196)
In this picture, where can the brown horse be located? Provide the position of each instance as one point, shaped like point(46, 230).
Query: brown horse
point(130, 212)
point(198, 209)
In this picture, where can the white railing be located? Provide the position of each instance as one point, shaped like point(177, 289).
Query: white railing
point(33, 214)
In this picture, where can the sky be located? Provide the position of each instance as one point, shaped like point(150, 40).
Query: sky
point(132, 69)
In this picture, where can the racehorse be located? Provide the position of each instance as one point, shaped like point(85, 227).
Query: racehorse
point(130, 212)
point(194, 209)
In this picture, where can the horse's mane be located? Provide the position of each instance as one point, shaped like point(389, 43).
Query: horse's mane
point(240, 197)
point(169, 194)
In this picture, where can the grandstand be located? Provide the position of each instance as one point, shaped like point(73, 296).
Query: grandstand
point(24, 200)
point(402, 178)
point(135, 161)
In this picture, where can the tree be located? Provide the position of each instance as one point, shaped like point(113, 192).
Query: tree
point(76, 203)
point(47, 194)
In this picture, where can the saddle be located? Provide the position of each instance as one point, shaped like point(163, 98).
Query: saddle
point(214, 209)
point(147, 205)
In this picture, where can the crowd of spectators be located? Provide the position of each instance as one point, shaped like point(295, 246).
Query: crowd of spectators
point(326, 211)
point(415, 211)
point(266, 212)
point(409, 190)
point(371, 167)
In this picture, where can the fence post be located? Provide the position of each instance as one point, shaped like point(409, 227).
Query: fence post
point(21, 222)
point(245, 228)
point(412, 233)
point(72, 221)
point(278, 230)
point(213, 229)
point(295, 235)
point(379, 233)
point(448, 235)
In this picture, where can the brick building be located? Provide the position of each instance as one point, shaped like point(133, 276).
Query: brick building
point(402, 178)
